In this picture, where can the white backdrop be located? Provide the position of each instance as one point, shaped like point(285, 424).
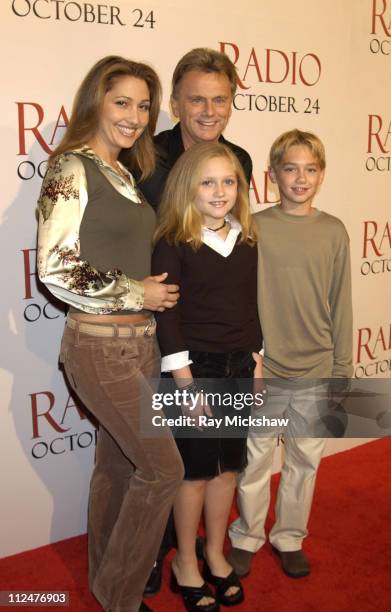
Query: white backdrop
point(322, 66)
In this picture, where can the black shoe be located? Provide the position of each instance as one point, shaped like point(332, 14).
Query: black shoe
point(154, 583)
point(294, 563)
point(200, 548)
point(223, 584)
point(144, 608)
point(192, 595)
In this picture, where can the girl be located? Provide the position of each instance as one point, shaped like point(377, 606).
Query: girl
point(205, 241)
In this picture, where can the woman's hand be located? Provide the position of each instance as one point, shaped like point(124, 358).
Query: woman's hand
point(158, 295)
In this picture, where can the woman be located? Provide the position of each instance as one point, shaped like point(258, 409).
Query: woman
point(95, 236)
point(206, 241)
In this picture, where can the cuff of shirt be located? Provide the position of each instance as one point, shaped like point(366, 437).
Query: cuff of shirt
point(175, 361)
point(135, 298)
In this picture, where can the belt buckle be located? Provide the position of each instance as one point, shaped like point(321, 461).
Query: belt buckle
point(148, 330)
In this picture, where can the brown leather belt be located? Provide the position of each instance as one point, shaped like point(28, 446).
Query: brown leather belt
point(147, 328)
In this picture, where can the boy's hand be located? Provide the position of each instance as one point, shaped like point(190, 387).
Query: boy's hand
point(259, 383)
point(258, 370)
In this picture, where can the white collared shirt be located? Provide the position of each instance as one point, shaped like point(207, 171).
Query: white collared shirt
point(222, 246)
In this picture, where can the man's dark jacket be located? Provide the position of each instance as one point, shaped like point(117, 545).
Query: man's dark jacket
point(169, 147)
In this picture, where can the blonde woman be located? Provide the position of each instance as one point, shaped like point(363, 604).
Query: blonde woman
point(205, 241)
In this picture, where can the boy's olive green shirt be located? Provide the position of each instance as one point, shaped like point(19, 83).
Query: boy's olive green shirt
point(304, 294)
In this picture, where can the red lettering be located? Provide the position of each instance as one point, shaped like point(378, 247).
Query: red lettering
point(23, 129)
point(387, 136)
point(308, 70)
point(62, 115)
point(27, 272)
point(253, 187)
point(375, 134)
point(379, 16)
point(46, 415)
point(364, 345)
point(254, 65)
point(266, 187)
point(294, 68)
point(71, 404)
point(286, 60)
point(236, 57)
point(364, 338)
point(386, 235)
point(370, 239)
point(317, 60)
point(380, 338)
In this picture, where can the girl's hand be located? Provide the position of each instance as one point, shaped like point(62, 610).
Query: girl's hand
point(195, 408)
point(196, 405)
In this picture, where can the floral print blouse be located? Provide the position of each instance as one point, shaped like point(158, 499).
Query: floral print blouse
point(61, 205)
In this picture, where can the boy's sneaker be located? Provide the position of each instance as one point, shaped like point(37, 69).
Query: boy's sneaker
point(294, 563)
point(240, 560)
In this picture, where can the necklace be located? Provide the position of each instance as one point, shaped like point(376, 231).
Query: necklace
point(216, 229)
point(131, 188)
point(122, 173)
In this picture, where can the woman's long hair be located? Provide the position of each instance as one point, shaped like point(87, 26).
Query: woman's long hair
point(179, 220)
point(88, 103)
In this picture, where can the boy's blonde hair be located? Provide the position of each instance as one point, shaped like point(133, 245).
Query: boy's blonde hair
point(179, 220)
point(293, 138)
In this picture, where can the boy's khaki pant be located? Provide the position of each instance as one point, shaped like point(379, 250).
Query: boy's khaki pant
point(303, 408)
point(135, 478)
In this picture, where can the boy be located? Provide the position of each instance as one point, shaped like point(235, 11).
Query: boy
point(304, 297)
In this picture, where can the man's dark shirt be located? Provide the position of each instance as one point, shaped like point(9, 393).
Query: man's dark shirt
point(169, 147)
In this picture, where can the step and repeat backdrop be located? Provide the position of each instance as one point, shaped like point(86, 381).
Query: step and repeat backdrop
point(321, 66)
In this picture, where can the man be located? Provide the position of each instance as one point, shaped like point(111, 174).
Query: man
point(203, 85)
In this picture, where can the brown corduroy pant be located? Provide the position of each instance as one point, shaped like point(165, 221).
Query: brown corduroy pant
point(135, 478)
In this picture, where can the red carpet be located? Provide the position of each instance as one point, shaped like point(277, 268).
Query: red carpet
point(349, 548)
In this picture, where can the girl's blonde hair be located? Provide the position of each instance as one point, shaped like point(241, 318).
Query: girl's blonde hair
point(179, 220)
point(88, 103)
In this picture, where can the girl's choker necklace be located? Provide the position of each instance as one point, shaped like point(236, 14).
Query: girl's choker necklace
point(216, 229)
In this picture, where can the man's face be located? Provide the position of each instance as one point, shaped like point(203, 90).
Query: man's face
point(203, 104)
